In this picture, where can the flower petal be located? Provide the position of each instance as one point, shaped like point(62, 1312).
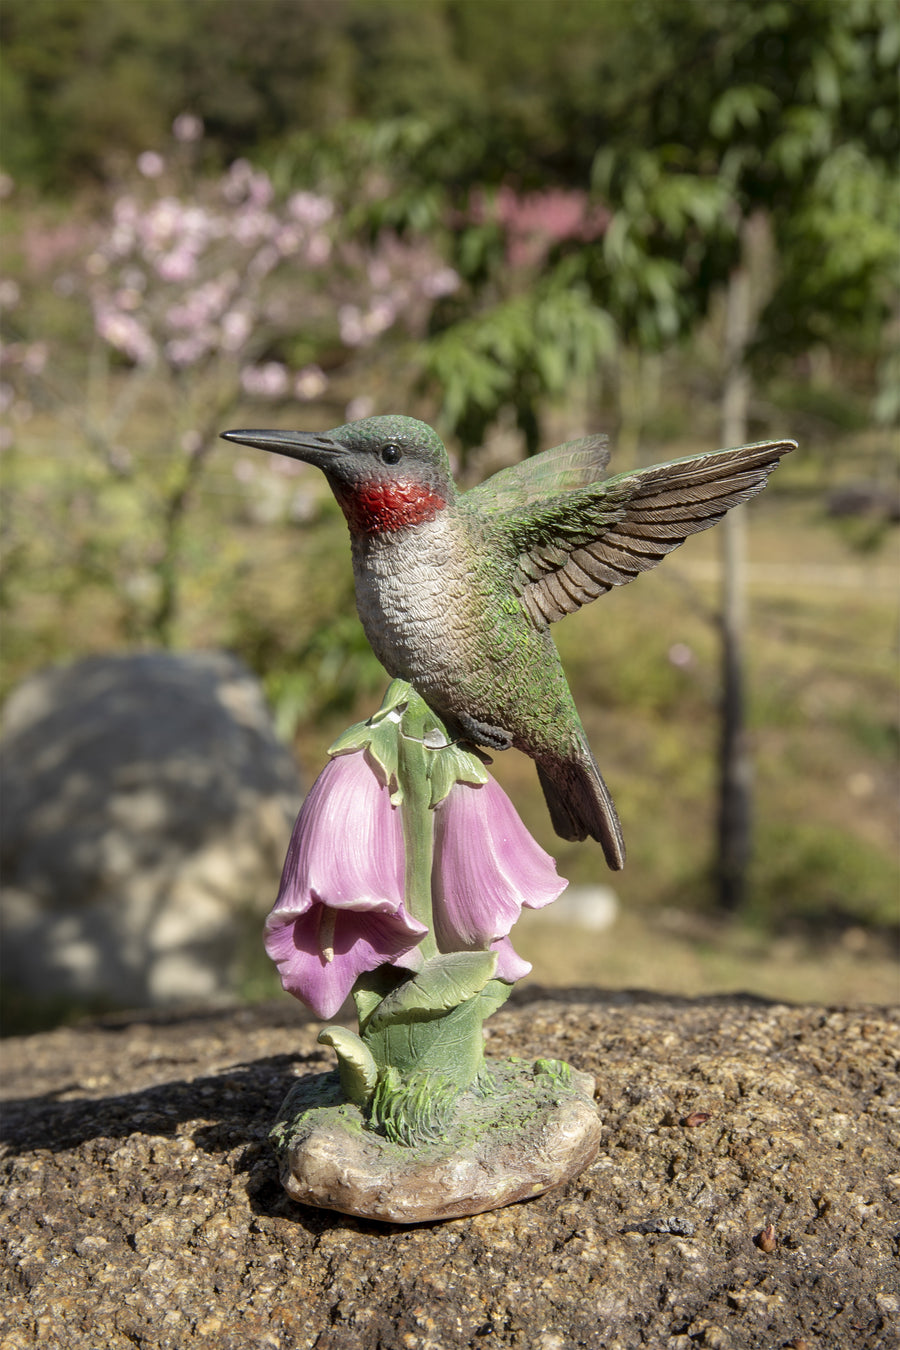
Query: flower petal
point(487, 866)
point(321, 968)
point(340, 907)
point(347, 844)
point(510, 966)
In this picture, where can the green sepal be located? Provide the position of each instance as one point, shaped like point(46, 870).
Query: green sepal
point(356, 1064)
point(451, 765)
point(380, 746)
point(356, 737)
point(395, 701)
point(383, 753)
point(443, 982)
point(379, 737)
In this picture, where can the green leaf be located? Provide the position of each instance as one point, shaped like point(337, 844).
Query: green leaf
point(373, 985)
point(356, 1065)
point(450, 1043)
point(443, 982)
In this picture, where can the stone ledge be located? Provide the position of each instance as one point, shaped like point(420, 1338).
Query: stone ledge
point(143, 1207)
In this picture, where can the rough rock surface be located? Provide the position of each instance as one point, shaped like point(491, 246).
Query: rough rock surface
point(745, 1194)
point(147, 803)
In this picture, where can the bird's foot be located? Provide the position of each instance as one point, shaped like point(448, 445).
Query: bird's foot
point(495, 738)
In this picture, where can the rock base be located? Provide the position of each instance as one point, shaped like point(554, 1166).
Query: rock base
point(528, 1127)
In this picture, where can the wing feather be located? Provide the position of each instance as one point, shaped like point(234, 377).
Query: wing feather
point(565, 468)
point(572, 547)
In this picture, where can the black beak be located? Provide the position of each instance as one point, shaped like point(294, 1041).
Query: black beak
point(311, 448)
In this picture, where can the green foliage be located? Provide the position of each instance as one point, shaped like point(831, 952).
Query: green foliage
point(421, 1042)
point(831, 878)
point(523, 351)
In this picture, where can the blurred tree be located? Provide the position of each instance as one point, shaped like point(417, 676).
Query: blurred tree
point(797, 122)
point(192, 287)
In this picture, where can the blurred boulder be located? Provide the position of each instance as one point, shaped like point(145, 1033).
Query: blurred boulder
point(147, 808)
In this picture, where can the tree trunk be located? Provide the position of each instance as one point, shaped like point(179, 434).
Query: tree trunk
point(735, 768)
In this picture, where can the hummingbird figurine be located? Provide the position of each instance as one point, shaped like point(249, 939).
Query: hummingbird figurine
point(457, 590)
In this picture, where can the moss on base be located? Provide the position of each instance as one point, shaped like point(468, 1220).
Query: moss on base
point(521, 1129)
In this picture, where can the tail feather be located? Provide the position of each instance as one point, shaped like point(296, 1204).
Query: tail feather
point(580, 804)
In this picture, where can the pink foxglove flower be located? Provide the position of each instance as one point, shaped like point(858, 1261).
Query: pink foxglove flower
point(486, 867)
point(340, 907)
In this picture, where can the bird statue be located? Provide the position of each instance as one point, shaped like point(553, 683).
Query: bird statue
point(457, 590)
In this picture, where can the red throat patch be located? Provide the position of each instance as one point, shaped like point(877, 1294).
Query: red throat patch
point(379, 508)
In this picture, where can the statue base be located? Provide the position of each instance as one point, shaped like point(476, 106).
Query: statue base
point(522, 1130)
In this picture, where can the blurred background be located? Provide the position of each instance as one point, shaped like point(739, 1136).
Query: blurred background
point(521, 220)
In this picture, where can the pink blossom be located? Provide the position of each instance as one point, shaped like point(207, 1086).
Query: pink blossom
point(379, 274)
point(350, 325)
point(187, 128)
point(309, 383)
point(237, 181)
point(288, 240)
point(127, 298)
point(359, 407)
point(487, 866)
point(340, 908)
point(236, 328)
point(380, 317)
point(160, 223)
point(35, 358)
point(187, 351)
point(318, 250)
point(442, 282)
point(180, 265)
point(125, 333)
point(310, 209)
point(150, 164)
point(266, 381)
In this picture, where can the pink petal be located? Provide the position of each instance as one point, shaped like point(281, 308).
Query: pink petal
point(487, 866)
point(347, 844)
point(340, 907)
point(510, 966)
point(360, 941)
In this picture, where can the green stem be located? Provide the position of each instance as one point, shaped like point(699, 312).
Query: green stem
point(418, 818)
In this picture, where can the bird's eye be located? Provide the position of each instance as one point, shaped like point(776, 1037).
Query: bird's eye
point(391, 453)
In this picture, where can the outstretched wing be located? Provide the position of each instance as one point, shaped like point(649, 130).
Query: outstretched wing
point(563, 469)
point(576, 547)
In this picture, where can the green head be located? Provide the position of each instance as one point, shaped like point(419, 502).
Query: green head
point(387, 473)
